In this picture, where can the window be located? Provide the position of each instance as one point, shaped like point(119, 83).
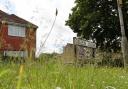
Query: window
point(15, 53)
point(16, 31)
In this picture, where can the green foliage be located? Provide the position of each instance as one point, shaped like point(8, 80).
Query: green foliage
point(98, 20)
point(47, 55)
point(51, 75)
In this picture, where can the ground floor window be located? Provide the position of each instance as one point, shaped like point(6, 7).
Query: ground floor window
point(15, 53)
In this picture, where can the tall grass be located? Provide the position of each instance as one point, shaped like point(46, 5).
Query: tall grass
point(50, 74)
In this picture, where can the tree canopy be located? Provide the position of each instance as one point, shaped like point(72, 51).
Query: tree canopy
point(98, 20)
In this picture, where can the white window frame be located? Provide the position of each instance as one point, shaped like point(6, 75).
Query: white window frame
point(15, 53)
point(14, 30)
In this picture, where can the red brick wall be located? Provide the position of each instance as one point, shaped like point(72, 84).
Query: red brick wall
point(10, 42)
point(31, 40)
point(13, 43)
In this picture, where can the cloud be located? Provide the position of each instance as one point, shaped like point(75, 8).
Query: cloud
point(42, 13)
point(7, 6)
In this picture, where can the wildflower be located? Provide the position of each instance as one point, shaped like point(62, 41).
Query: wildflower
point(122, 77)
point(92, 85)
point(110, 87)
point(58, 88)
point(103, 81)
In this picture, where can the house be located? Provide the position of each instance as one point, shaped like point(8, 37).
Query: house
point(17, 36)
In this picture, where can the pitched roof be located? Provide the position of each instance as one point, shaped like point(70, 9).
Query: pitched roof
point(14, 19)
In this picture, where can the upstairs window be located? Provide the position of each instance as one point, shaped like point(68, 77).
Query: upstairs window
point(16, 31)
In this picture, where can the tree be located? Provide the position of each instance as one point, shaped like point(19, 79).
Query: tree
point(98, 20)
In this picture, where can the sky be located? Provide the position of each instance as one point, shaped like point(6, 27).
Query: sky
point(42, 13)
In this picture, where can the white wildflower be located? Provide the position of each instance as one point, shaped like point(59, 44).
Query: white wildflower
point(122, 77)
point(103, 81)
point(92, 85)
point(58, 88)
point(110, 87)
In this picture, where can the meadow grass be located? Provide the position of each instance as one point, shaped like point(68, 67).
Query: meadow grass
point(52, 74)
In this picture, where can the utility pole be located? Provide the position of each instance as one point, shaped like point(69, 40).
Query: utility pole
point(124, 42)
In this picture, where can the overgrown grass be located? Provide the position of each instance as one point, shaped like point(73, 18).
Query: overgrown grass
point(51, 74)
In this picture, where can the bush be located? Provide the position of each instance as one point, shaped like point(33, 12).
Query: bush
point(111, 63)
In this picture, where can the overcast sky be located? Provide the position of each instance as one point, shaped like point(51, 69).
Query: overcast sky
point(42, 13)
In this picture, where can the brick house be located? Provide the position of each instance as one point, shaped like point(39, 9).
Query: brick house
point(17, 36)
